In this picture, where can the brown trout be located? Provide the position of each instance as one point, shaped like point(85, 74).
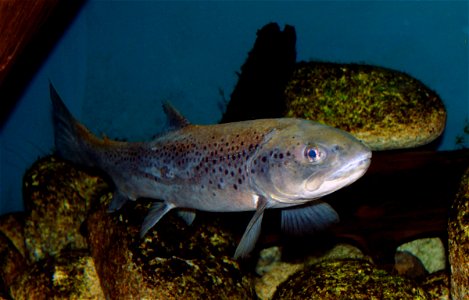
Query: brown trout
point(242, 166)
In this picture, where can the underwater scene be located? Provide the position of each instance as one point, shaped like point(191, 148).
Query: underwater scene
point(234, 150)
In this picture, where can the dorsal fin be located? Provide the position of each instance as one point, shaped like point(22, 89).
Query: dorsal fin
point(175, 119)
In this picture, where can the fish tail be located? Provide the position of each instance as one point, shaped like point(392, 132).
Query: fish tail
point(72, 139)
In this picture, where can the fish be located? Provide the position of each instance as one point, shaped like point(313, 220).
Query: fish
point(253, 165)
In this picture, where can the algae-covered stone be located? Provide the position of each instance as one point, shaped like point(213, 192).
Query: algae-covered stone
point(430, 251)
point(70, 275)
point(12, 226)
point(273, 271)
point(437, 285)
point(12, 263)
point(458, 241)
point(347, 279)
point(57, 197)
point(172, 261)
point(408, 265)
point(384, 108)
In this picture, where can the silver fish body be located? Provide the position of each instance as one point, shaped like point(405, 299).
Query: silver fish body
point(241, 166)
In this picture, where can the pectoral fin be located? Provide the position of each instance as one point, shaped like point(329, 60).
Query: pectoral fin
point(156, 212)
point(308, 219)
point(251, 234)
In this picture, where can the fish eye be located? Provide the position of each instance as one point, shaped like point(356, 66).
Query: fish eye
point(313, 154)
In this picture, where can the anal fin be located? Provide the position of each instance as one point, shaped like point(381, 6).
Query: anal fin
point(187, 215)
point(308, 219)
point(156, 212)
point(251, 234)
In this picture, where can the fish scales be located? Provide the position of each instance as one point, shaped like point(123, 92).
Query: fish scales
point(251, 165)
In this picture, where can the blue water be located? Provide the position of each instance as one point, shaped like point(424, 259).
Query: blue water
point(119, 60)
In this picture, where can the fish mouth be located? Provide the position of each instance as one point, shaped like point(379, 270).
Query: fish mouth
point(340, 178)
point(356, 167)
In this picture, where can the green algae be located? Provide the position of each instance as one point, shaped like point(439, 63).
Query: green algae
point(358, 97)
point(347, 279)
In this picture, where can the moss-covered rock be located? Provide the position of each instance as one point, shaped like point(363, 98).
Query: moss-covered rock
point(12, 263)
point(12, 226)
point(69, 275)
point(173, 261)
point(429, 251)
point(458, 243)
point(57, 197)
point(347, 279)
point(437, 285)
point(273, 271)
point(384, 108)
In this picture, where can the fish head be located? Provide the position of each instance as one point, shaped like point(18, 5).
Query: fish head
point(306, 160)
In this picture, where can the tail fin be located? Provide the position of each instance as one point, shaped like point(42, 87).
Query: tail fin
point(69, 138)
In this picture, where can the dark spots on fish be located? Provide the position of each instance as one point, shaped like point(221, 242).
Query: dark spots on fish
point(226, 172)
point(336, 148)
point(264, 159)
point(232, 174)
point(235, 186)
point(240, 181)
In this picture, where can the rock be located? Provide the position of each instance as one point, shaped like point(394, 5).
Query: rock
point(12, 226)
point(279, 272)
point(338, 252)
point(70, 275)
point(57, 198)
point(437, 285)
point(429, 251)
point(384, 108)
point(172, 261)
point(347, 279)
point(458, 241)
point(408, 265)
point(12, 263)
point(273, 271)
